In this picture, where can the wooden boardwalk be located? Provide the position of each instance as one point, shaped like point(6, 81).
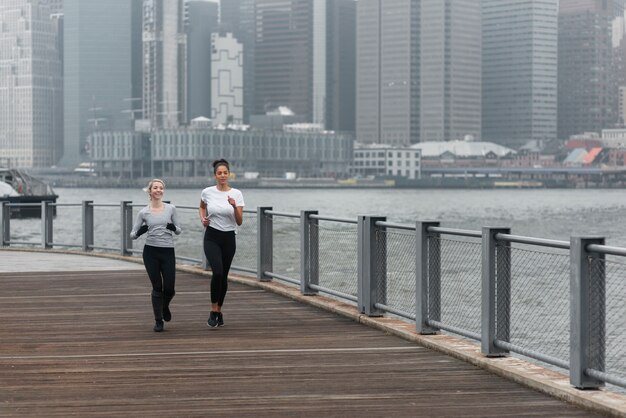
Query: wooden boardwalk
point(80, 343)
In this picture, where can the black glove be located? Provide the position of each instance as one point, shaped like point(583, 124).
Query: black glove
point(142, 230)
point(171, 227)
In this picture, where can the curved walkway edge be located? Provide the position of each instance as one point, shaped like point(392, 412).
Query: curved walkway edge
point(517, 370)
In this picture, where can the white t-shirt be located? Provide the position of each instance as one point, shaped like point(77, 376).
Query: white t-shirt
point(221, 213)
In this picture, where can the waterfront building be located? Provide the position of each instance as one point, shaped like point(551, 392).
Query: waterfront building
point(587, 88)
point(203, 16)
point(290, 57)
point(462, 153)
point(387, 72)
point(188, 152)
point(31, 96)
point(227, 63)
point(341, 61)
point(519, 66)
point(450, 70)
point(165, 77)
point(381, 160)
point(97, 71)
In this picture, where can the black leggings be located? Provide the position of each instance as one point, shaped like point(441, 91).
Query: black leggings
point(160, 263)
point(219, 249)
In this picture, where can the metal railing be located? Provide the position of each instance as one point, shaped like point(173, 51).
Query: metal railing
point(559, 302)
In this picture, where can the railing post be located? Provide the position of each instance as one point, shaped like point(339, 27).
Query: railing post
point(88, 236)
point(372, 265)
point(309, 252)
point(496, 292)
point(47, 217)
point(587, 312)
point(5, 224)
point(428, 277)
point(126, 211)
point(265, 243)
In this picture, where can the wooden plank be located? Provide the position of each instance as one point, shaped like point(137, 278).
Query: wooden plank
point(82, 344)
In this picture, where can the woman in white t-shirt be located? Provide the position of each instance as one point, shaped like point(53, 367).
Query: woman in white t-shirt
point(221, 211)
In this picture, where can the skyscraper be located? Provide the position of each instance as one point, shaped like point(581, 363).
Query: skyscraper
point(340, 82)
point(290, 57)
point(387, 72)
point(30, 85)
point(165, 81)
point(519, 47)
point(202, 23)
point(587, 87)
point(450, 70)
point(98, 71)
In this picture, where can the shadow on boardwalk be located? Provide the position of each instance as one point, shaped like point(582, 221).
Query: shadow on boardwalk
point(81, 343)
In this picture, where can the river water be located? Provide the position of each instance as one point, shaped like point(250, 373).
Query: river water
point(545, 213)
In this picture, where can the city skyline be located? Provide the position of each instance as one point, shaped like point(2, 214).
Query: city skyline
point(395, 72)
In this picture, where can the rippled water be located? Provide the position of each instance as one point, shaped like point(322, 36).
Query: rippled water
point(543, 213)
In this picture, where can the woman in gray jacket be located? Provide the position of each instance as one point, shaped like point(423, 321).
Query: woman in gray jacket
point(159, 220)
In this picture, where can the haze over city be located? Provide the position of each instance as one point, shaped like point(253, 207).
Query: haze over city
point(324, 88)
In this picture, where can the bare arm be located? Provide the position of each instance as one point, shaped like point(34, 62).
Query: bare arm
point(202, 213)
point(238, 211)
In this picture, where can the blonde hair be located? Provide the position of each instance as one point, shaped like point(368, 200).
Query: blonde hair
point(149, 186)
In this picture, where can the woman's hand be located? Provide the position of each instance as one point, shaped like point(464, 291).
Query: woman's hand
point(204, 220)
point(232, 202)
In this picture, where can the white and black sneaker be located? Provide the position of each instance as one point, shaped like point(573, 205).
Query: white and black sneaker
point(212, 321)
point(220, 319)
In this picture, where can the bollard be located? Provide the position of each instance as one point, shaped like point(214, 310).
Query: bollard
point(87, 215)
point(428, 277)
point(496, 292)
point(5, 224)
point(309, 252)
point(587, 313)
point(265, 243)
point(47, 217)
point(126, 212)
point(372, 265)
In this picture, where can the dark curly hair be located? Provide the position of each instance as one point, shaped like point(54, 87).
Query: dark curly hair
point(218, 163)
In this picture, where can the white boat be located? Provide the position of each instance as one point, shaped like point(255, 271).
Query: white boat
point(16, 186)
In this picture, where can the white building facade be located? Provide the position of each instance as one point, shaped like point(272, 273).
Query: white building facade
point(226, 80)
point(386, 160)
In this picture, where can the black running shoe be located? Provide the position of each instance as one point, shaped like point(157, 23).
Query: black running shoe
point(212, 321)
point(158, 326)
point(220, 319)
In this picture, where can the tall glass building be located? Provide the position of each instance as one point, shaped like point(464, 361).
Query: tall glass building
point(587, 83)
point(290, 57)
point(519, 61)
point(98, 71)
point(165, 71)
point(387, 72)
point(203, 17)
point(30, 85)
point(450, 70)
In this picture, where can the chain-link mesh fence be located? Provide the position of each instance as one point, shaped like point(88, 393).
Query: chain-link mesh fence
point(400, 262)
point(460, 280)
point(540, 299)
point(613, 296)
point(338, 256)
point(286, 237)
point(247, 243)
